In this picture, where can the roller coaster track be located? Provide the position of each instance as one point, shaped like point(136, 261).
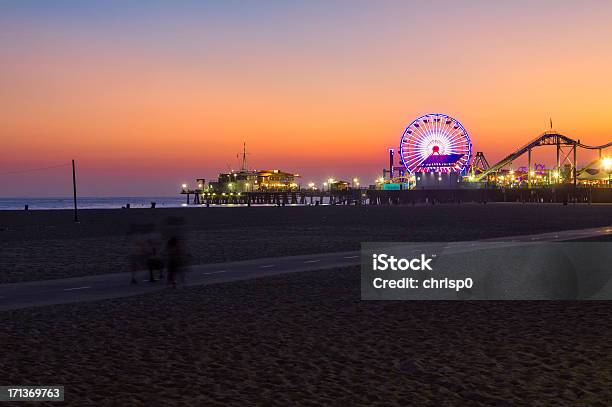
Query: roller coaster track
point(586, 167)
point(546, 139)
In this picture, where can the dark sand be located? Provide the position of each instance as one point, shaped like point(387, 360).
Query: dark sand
point(302, 338)
point(308, 339)
point(38, 245)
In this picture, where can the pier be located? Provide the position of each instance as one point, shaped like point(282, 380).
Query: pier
point(280, 198)
point(561, 194)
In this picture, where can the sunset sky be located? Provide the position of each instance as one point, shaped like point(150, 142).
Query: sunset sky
point(146, 95)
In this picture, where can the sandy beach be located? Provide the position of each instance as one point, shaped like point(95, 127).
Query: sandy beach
point(307, 339)
point(299, 339)
point(38, 245)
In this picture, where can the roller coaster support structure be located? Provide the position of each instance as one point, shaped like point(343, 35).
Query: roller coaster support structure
point(546, 139)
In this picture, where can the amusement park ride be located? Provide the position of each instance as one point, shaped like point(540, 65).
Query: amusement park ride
point(436, 153)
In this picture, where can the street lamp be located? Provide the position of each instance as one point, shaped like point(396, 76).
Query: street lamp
point(324, 185)
point(356, 182)
point(311, 185)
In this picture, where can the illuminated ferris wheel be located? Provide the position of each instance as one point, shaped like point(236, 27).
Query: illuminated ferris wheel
point(435, 142)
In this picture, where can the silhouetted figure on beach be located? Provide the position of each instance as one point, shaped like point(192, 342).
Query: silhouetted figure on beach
point(175, 261)
point(138, 255)
point(145, 244)
point(154, 261)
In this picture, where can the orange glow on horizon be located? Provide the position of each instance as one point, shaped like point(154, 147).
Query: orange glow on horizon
point(144, 112)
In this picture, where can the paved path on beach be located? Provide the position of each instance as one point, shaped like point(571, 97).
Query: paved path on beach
point(104, 286)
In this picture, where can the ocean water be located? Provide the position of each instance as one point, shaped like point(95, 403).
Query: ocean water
point(90, 202)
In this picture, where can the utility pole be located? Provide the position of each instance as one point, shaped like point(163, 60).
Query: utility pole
point(74, 194)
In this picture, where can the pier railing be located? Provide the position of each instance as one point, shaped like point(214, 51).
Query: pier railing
point(350, 196)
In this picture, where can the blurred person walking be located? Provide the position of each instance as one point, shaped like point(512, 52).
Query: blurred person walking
point(175, 261)
point(138, 251)
point(154, 261)
point(144, 245)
